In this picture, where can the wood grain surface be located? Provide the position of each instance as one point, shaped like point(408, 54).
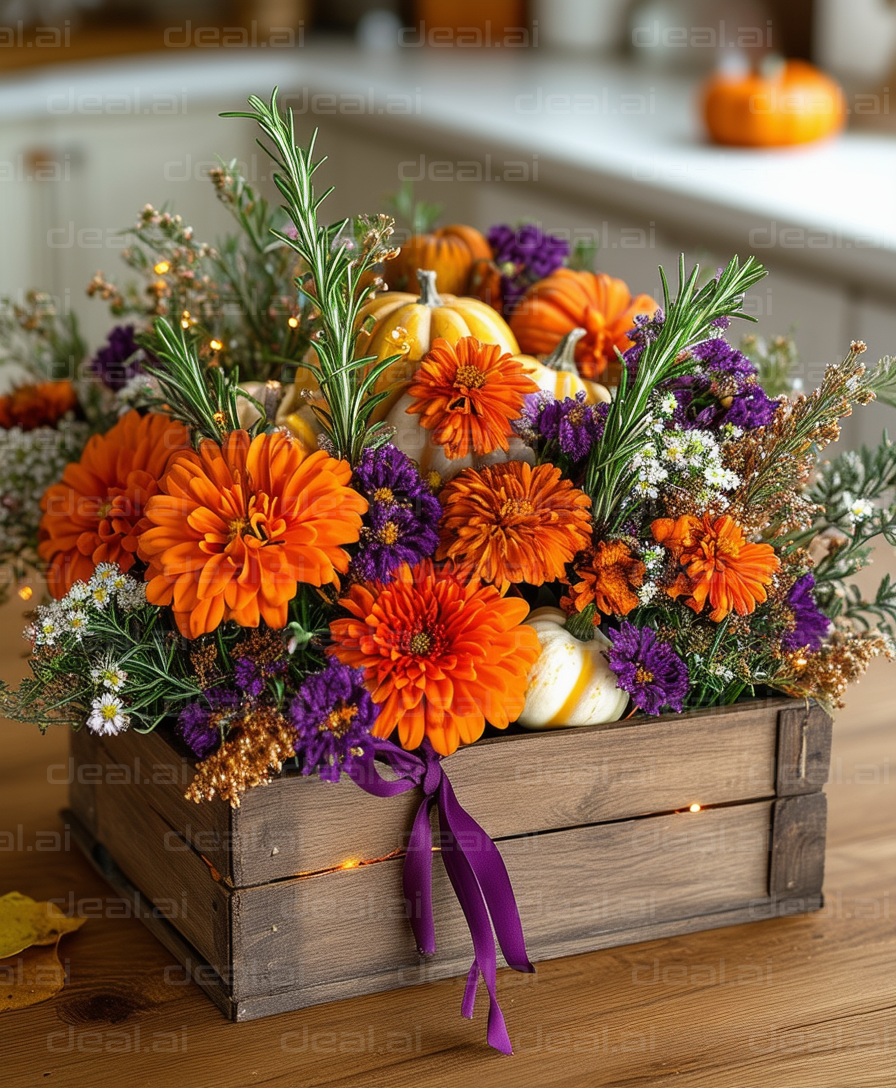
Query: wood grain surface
point(785, 1003)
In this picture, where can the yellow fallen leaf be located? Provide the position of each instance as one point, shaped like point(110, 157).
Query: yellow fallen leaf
point(25, 922)
point(33, 976)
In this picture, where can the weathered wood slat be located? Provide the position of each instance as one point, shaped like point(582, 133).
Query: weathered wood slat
point(798, 841)
point(513, 784)
point(804, 749)
point(572, 887)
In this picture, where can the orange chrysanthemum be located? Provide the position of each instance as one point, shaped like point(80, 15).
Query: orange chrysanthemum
point(513, 523)
point(40, 405)
point(607, 578)
point(719, 565)
point(442, 655)
point(236, 527)
point(96, 513)
point(468, 395)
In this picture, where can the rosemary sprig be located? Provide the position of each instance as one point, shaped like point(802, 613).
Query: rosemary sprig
point(337, 264)
point(204, 399)
point(609, 476)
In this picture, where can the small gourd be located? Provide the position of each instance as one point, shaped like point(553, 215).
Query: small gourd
point(397, 323)
point(293, 412)
point(559, 375)
point(571, 682)
point(416, 441)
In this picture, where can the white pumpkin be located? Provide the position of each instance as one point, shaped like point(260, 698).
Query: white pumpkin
point(571, 682)
point(416, 441)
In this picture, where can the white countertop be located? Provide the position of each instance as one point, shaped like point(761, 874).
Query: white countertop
point(617, 134)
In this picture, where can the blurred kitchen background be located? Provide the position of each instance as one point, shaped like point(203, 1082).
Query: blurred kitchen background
point(581, 115)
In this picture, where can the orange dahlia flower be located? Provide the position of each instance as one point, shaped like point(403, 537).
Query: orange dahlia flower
point(40, 405)
point(442, 655)
point(719, 564)
point(567, 299)
point(513, 523)
point(607, 579)
point(236, 527)
point(96, 513)
point(468, 394)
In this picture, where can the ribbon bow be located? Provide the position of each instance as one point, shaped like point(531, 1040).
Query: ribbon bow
point(478, 875)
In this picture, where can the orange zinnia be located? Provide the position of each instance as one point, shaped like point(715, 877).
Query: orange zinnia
point(608, 578)
point(96, 513)
point(236, 527)
point(718, 564)
point(441, 655)
point(40, 405)
point(468, 394)
point(513, 523)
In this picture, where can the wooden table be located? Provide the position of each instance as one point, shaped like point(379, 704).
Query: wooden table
point(806, 1001)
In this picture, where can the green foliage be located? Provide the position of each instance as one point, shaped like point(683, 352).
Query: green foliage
point(610, 475)
point(337, 258)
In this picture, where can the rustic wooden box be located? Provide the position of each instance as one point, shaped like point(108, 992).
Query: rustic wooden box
point(263, 904)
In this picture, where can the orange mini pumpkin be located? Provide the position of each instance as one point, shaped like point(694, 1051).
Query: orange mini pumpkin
point(785, 103)
point(451, 252)
point(593, 301)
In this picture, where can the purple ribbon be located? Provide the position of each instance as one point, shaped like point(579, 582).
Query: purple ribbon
point(479, 877)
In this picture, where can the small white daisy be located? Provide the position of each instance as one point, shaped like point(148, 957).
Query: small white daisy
point(107, 716)
point(109, 676)
point(860, 509)
point(77, 623)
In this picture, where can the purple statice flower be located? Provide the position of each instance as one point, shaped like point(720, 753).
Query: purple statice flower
point(120, 359)
point(646, 329)
point(751, 409)
point(198, 722)
point(648, 669)
point(251, 676)
point(333, 714)
point(574, 425)
point(401, 522)
point(811, 625)
point(524, 255)
point(723, 362)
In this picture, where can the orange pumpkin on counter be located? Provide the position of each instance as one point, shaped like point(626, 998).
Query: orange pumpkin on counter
point(784, 103)
point(451, 252)
point(398, 323)
point(593, 301)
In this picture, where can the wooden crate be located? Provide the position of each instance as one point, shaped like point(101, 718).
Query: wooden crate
point(594, 824)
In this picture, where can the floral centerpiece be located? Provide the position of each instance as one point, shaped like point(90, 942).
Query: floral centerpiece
point(344, 571)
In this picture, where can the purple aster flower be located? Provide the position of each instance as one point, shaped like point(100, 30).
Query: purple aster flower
point(120, 359)
point(392, 535)
point(400, 525)
point(198, 722)
point(750, 409)
point(333, 715)
point(648, 669)
point(524, 256)
point(811, 625)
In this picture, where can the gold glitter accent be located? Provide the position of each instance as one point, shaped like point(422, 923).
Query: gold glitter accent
point(256, 748)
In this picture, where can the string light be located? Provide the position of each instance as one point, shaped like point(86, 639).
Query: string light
point(215, 345)
point(26, 593)
point(161, 268)
point(293, 322)
point(185, 321)
point(695, 807)
point(350, 864)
